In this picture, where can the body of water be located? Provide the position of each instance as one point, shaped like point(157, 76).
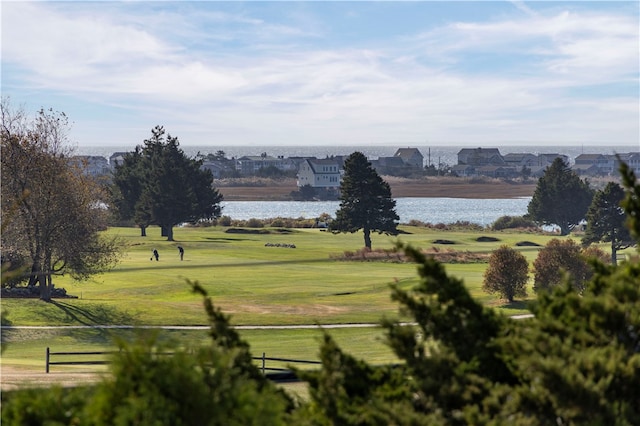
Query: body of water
point(433, 210)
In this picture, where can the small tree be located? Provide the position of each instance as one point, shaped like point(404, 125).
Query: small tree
point(561, 198)
point(606, 220)
point(507, 274)
point(557, 258)
point(365, 201)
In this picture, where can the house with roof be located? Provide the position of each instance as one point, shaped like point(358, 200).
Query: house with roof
point(251, 164)
point(633, 161)
point(602, 162)
point(91, 165)
point(389, 165)
point(587, 170)
point(411, 157)
point(520, 160)
point(116, 158)
point(479, 157)
point(463, 170)
point(319, 173)
point(215, 167)
point(547, 159)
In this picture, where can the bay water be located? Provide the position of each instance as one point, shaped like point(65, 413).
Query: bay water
point(433, 210)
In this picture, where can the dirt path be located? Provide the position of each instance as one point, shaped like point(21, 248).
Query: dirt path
point(14, 377)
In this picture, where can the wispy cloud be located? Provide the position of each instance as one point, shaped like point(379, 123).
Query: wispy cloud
point(247, 77)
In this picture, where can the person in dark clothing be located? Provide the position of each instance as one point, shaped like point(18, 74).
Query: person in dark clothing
point(156, 255)
point(181, 250)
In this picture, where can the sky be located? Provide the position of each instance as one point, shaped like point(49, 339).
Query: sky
point(332, 73)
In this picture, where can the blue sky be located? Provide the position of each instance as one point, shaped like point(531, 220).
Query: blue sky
point(330, 73)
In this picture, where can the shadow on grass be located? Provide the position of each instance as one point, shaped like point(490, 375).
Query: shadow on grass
point(229, 240)
point(97, 315)
point(515, 305)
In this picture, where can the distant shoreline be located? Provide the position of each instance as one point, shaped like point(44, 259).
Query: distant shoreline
point(280, 190)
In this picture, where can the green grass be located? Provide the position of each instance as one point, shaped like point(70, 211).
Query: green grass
point(255, 284)
point(27, 348)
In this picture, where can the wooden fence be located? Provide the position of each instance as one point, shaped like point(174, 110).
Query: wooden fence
point(279, 372)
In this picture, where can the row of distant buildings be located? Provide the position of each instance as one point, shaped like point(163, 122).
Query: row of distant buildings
point(326, 173)
point(489, 162)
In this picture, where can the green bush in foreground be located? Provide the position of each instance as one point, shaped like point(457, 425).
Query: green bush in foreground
point(576, 362)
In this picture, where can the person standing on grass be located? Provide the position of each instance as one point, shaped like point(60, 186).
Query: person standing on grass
point(156, 255)
point(181, 250)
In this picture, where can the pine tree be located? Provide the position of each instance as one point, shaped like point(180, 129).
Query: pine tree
point(365, 201)
point(561, 198)
point(160, 185)
point(606, 220)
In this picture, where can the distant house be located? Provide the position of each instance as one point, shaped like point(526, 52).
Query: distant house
point(463, 170)
point(602, 162)
point(633, 161)
point(537, 171)
point(497, 171)
point(587, 170)
point(411, 157)
point(116, 158)
point(547, 159)
point(215, 167)
point(319, 173)
point(519, 160)
point(389, 165)
point(249, 165)
point(91, 165)
point(631, 158)
point(480, 157)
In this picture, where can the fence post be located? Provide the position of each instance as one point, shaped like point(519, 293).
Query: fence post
point(47, 361)
point(263, 362)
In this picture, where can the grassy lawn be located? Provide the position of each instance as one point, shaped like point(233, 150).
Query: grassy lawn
point(254, 283)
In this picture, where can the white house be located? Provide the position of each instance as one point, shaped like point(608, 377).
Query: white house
point(319, 173)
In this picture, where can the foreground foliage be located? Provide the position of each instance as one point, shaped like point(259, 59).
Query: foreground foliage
point(576, 362)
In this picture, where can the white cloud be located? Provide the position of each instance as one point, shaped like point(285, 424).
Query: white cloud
point(404, 90)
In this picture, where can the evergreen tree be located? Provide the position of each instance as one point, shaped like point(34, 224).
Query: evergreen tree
point(160, 185)
point(561, 198)
point(365, 201)
point(131, 202)
point(606, 220)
